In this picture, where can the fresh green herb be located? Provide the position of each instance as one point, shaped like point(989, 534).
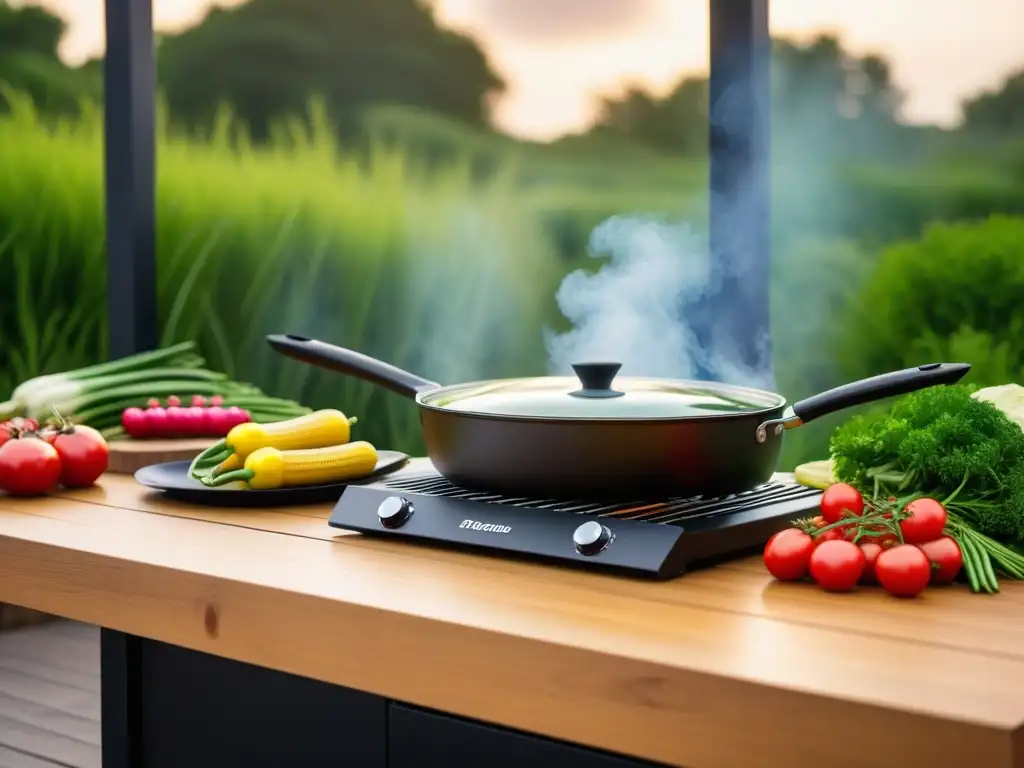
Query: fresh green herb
point(941, 442)
point(944, 444)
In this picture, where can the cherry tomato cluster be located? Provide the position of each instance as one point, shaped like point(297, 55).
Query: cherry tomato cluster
point(902, 548)
point(200, 419)
point(15, 427)
point(36, 460)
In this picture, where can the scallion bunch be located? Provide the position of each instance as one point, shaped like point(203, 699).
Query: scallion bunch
point(98, 394)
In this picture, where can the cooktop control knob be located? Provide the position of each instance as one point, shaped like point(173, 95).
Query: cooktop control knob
point(394, 512)
point(591, 537)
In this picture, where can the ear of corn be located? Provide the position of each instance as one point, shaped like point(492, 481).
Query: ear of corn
point(269, 468)
point(319, 429)
point(314, 430)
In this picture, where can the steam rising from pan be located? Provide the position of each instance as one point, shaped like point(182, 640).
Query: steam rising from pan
point(633, 308)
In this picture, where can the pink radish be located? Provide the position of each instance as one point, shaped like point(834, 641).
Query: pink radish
point(218, 421)
point(236, 415)
point(194, 420)
point(156, 421)
point(177, 420)
point(134, 422)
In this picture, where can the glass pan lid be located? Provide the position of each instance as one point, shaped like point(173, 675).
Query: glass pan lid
point(626, 398)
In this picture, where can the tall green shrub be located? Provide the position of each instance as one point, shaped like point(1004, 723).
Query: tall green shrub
point(876, 205)
point(955, 294)
point(449, 276)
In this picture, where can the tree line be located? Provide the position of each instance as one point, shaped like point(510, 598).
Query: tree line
point(268, 57)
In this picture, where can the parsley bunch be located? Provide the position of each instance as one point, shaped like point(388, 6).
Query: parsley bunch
point(941, 442)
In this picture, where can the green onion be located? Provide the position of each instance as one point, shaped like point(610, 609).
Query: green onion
point(268, 417)
point(261, 402)
point(63, 392)
point(113, 433)
point(124, 397)
point(28, 389)
point(99, 394)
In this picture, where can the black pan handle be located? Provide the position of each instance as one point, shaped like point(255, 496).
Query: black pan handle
point(332, 358)
point(879, 388)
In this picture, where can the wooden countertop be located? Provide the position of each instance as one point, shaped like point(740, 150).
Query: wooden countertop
point(718, 668)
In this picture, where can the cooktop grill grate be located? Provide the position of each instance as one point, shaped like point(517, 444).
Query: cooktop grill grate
point(666, 512)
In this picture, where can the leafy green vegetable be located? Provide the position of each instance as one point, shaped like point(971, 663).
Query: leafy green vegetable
point(943, 443)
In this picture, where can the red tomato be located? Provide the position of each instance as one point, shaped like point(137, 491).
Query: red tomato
point(787, 553)
point(836, 534)
point(926, 522)
point(946, 559)
point(16, 427)
point(840, 499)
point(903, 571)
point(83, 456)
point(837, 565)
point(886, 540)
point(871, 552)
point(28, 466)
point(23, 425)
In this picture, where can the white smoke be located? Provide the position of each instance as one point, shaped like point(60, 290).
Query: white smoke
point(633, 309)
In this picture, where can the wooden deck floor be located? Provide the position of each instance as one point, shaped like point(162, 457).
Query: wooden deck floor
point(50, 696)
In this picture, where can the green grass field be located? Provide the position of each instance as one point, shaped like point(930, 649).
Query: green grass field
point(447, 267)
point(437, 270)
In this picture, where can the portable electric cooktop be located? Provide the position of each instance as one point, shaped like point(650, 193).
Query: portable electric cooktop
point(654, 538)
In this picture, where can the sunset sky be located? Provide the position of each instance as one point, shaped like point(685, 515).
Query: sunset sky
point(557, 54)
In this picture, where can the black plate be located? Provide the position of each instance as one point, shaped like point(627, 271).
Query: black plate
point(173, 479)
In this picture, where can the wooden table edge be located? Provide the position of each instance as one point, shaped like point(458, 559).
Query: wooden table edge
point(638, 702)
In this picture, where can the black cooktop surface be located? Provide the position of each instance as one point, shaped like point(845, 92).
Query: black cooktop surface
point(654, 538)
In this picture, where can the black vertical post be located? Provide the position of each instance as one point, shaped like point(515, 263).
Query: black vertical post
point(130, 85)
point(735, 319)
point(121, 699)
point(129, 96)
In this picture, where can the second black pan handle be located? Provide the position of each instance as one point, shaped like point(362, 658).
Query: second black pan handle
point(332, 358)
point(879, 388)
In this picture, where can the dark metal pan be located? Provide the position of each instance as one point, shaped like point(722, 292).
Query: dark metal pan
point(596, 435)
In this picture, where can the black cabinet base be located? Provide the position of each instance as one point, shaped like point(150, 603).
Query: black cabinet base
point(202, 711)
point(422, 738)
point(169, 707)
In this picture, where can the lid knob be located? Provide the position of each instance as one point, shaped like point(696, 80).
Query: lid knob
point(596, 379)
